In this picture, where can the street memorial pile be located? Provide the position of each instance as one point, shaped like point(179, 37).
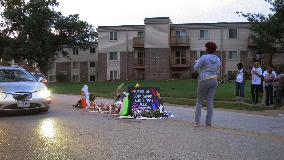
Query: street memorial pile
point(139, 102)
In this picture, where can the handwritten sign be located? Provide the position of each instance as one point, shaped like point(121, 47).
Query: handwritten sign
point(144, 98)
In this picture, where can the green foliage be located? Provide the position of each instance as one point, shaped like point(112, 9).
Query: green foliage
point(33, 30)
point(60, 77)
point(151, 114)
point(194, 75)
point(268, 31)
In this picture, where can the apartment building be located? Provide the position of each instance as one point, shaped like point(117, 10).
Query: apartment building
point(160, 50)
point(80, 65)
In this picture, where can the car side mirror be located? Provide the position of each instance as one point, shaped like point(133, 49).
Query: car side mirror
point(40, 79)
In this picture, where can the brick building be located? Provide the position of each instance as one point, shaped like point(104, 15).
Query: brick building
point(161, 50)
point(80, 65)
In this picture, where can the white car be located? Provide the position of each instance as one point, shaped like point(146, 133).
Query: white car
point(21, 92)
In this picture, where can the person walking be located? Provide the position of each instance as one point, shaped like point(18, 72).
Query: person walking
point(240, 83)
point(256, 73)
point(208, 65)
point(268, 79)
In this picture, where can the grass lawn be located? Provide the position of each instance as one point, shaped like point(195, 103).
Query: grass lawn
point(172, 91)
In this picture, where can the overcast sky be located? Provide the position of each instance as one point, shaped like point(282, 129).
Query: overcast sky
point(133, 12)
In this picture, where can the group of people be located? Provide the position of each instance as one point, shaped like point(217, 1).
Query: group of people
point(269, 82)
point(208, 67)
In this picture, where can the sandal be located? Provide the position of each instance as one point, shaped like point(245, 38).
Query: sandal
point(195, 124)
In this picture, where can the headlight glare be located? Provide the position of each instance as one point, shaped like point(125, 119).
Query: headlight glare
point(44, 93)
point(2, 96)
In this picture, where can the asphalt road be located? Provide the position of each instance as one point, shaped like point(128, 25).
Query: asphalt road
point(71, 133)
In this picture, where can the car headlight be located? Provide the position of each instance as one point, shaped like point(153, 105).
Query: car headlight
point(44, 93)
point(2, 96)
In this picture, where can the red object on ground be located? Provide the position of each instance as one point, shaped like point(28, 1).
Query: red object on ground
point(83, 103)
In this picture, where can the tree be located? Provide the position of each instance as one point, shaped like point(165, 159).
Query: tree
point(34, 31)
point(268, 31)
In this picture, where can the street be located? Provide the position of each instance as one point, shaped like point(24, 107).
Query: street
point(65, 132)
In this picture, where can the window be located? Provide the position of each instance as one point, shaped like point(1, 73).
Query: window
point(75, 51)
point(140, 34)
point(92, 50)
point(113, 75)
point(201, 53)
point(112, 55)
point(92, 78)
point(92, 64)
point(75, 65)
point(232, 55)
point(75, 78)
point(181, 33)
point(113, 36)
point(140, 57)
point(204, 34)
point(180, 57)
point(233, 33)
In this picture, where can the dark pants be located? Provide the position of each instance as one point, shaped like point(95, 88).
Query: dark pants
point(240, 89)
point(279, 94)
point(255, 88)
point(269, 94)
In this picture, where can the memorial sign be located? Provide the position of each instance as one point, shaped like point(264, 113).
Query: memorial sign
point(144, 98)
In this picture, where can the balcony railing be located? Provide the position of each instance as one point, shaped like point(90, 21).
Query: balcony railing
point(138, 42)
point(138, 66)
point(179, 65)
point(180, 41)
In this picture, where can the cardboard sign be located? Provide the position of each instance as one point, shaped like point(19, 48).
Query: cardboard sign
point(144, 98)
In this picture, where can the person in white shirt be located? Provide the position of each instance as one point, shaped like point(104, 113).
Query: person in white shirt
point(240, 82)
point(256, 74)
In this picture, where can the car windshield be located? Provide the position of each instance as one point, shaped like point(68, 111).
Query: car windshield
point(17, 75)
point(38, 75)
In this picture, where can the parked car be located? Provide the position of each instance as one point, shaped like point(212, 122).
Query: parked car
point(21, 92)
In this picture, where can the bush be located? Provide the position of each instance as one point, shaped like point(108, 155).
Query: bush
point(60, 77)
point(194, 75)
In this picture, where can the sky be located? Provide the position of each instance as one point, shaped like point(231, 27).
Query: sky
point(133, 12)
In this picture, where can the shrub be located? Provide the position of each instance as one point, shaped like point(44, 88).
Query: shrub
point(60, 77)
point(194, 75)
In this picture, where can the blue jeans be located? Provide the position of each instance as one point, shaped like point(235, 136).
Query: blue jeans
point(240, 89)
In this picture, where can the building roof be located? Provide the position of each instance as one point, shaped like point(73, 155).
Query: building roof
point(162, 20)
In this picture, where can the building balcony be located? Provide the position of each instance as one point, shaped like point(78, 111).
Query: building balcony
point(138, 66)
point(180, 41)
point(138, 42)
point(180, 66)
point(251, 42)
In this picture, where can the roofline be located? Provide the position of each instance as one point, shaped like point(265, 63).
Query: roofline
point(122, 26)
point(213, 23)
point(181, 24)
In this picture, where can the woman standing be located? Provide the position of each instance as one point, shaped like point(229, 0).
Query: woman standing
point(269, 78)
point(240, 82)
point(256, 74)
point(208, 65)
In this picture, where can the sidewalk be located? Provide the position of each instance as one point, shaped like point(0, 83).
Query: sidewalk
point(228, 119)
